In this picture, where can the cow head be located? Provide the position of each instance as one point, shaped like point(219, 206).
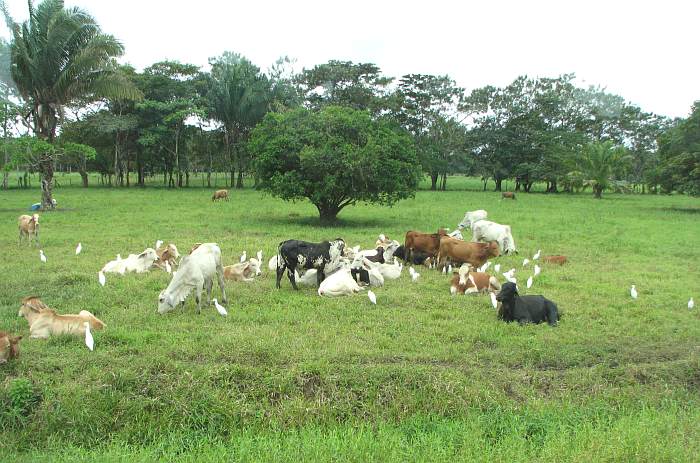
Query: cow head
point(166, 302)
point(508, 292)
point(337, 246)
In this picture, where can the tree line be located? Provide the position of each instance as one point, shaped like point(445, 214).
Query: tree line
point(61, 84)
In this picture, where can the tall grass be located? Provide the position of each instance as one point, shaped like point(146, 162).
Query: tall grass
point(291, 376)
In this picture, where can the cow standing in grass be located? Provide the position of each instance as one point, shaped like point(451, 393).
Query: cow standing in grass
point(302, 255)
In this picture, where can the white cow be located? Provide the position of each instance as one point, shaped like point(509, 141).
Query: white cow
point(134, 263)
point(484, 230)
point(390, 271)
point(472, 216)
point(197, 272)
point(340, 283)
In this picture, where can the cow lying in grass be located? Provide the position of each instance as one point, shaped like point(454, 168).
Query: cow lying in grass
point(45, 322)
point(302, 255)
point(467, 281)
point(9, 347)
point(525, 309)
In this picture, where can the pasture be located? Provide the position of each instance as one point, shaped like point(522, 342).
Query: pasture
point(290, 376)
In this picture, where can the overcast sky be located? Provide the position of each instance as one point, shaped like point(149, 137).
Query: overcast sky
point(645, 51)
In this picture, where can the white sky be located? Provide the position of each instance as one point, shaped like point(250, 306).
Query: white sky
point(644, 51)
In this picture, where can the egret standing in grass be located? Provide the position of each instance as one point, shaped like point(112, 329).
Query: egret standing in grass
point(537, 269)
point(372, 297)
point(159, 243)
point(42, 256)
point(243, 257)
point(168, 268)
point(414, 274)
point(101, 278)
point(633, 292)
point(497, 268)
point(259, 255)
point(494, 302)
point(691, 304)
point(89, 341)
point(529, 282)
point(79, 248)
point(220, 308)
point(526, 261)
point(537, 255)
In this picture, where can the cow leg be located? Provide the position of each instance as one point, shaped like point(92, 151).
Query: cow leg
point(292, 280)
point(280, 271)
point(210, 284)
point(320, 276)
point(198, 295)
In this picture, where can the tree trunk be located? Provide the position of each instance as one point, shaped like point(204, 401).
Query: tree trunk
point(443, 187)
point(433, 181)
point(239, 181)
point(328, 213)
point(6, 173)
point(597, 192)
point(46, 167)
point(498, 183)
point(517, 184)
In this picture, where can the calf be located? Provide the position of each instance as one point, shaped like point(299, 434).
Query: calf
point(220, 194)
point(167, 254)
point(28, 227)
point(507, 195)
point(196, 271)
point(302, 255)
point(464, 280)
point(45, 322)
point(525, 309)
point(460, 252)
point(559, 260)
point(472, 216)
point(428, 243)
point(485, 230)
point(417, 257)
point(9, 347)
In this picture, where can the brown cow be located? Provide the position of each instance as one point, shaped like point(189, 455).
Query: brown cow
point(462, 283)
point(559, 260)
point(508, 195)
point(461, 252)
point(428, 243)
point(9, 347)
point(220, 194)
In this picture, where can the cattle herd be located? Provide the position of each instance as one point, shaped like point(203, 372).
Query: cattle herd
point(332, 266)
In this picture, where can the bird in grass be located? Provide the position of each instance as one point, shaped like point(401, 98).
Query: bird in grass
point(259, 255)
point(526, 261)
point(78, 248)
point(372, 297)
point(633, 292)
point(537, 255)
point(220, 308)
point(537, 269)
point(485, 267)
point(449, 268)
point(89, 341)
point(497, 268)
point(509, 273)
point(159, 243)
point(168, 268)
point(494, 302)
point(691, 304)
point(101, 278)
point(42, 256)
point(444, 269)
point(529, 282)
point(414, 274)
point(243, 256)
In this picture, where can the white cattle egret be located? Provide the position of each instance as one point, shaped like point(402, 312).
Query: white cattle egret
point(159, 243)
point(509, 273)
point(633, 292)
point(537, 269)
point(444, 269)
point(78, 248)
point(168, 268)
point(220, 308)
point(414, 276)
point(526, 261)
point(497, 268)
point(485, 267)
point(101, 278)
point(119, 257)
point(494, 302)
point(42, 256)
point(89, 341)
point(449, 268)
point(537, 255)
point(243, 257)
point(372, 297)
point(259, 255)
point(529, 282)
point(691, 303)
point(411, 270)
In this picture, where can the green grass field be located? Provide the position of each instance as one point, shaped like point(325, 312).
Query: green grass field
point(290, 376)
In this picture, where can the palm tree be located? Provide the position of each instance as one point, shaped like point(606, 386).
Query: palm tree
point(59, 58)
point(600, 163)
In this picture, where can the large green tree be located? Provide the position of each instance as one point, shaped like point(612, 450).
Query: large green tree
point(61, 57)
point(679, 150)
point(601, 165)
point(334, 157)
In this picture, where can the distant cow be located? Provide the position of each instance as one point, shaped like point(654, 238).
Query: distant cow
point(428, 243)
point(464, 252)
point(507, 195)
point(220, 194)
point(302, 255)
point(559, 260)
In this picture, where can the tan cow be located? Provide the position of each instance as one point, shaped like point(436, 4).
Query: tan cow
point(45, 322)
point(28, 226)
point(220, 194)
point(464, 280)
point(461, 252)
point(428, 243)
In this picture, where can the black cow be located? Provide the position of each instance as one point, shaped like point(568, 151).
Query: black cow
point(417, 257)
point(295, 254)
point(525, 309)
